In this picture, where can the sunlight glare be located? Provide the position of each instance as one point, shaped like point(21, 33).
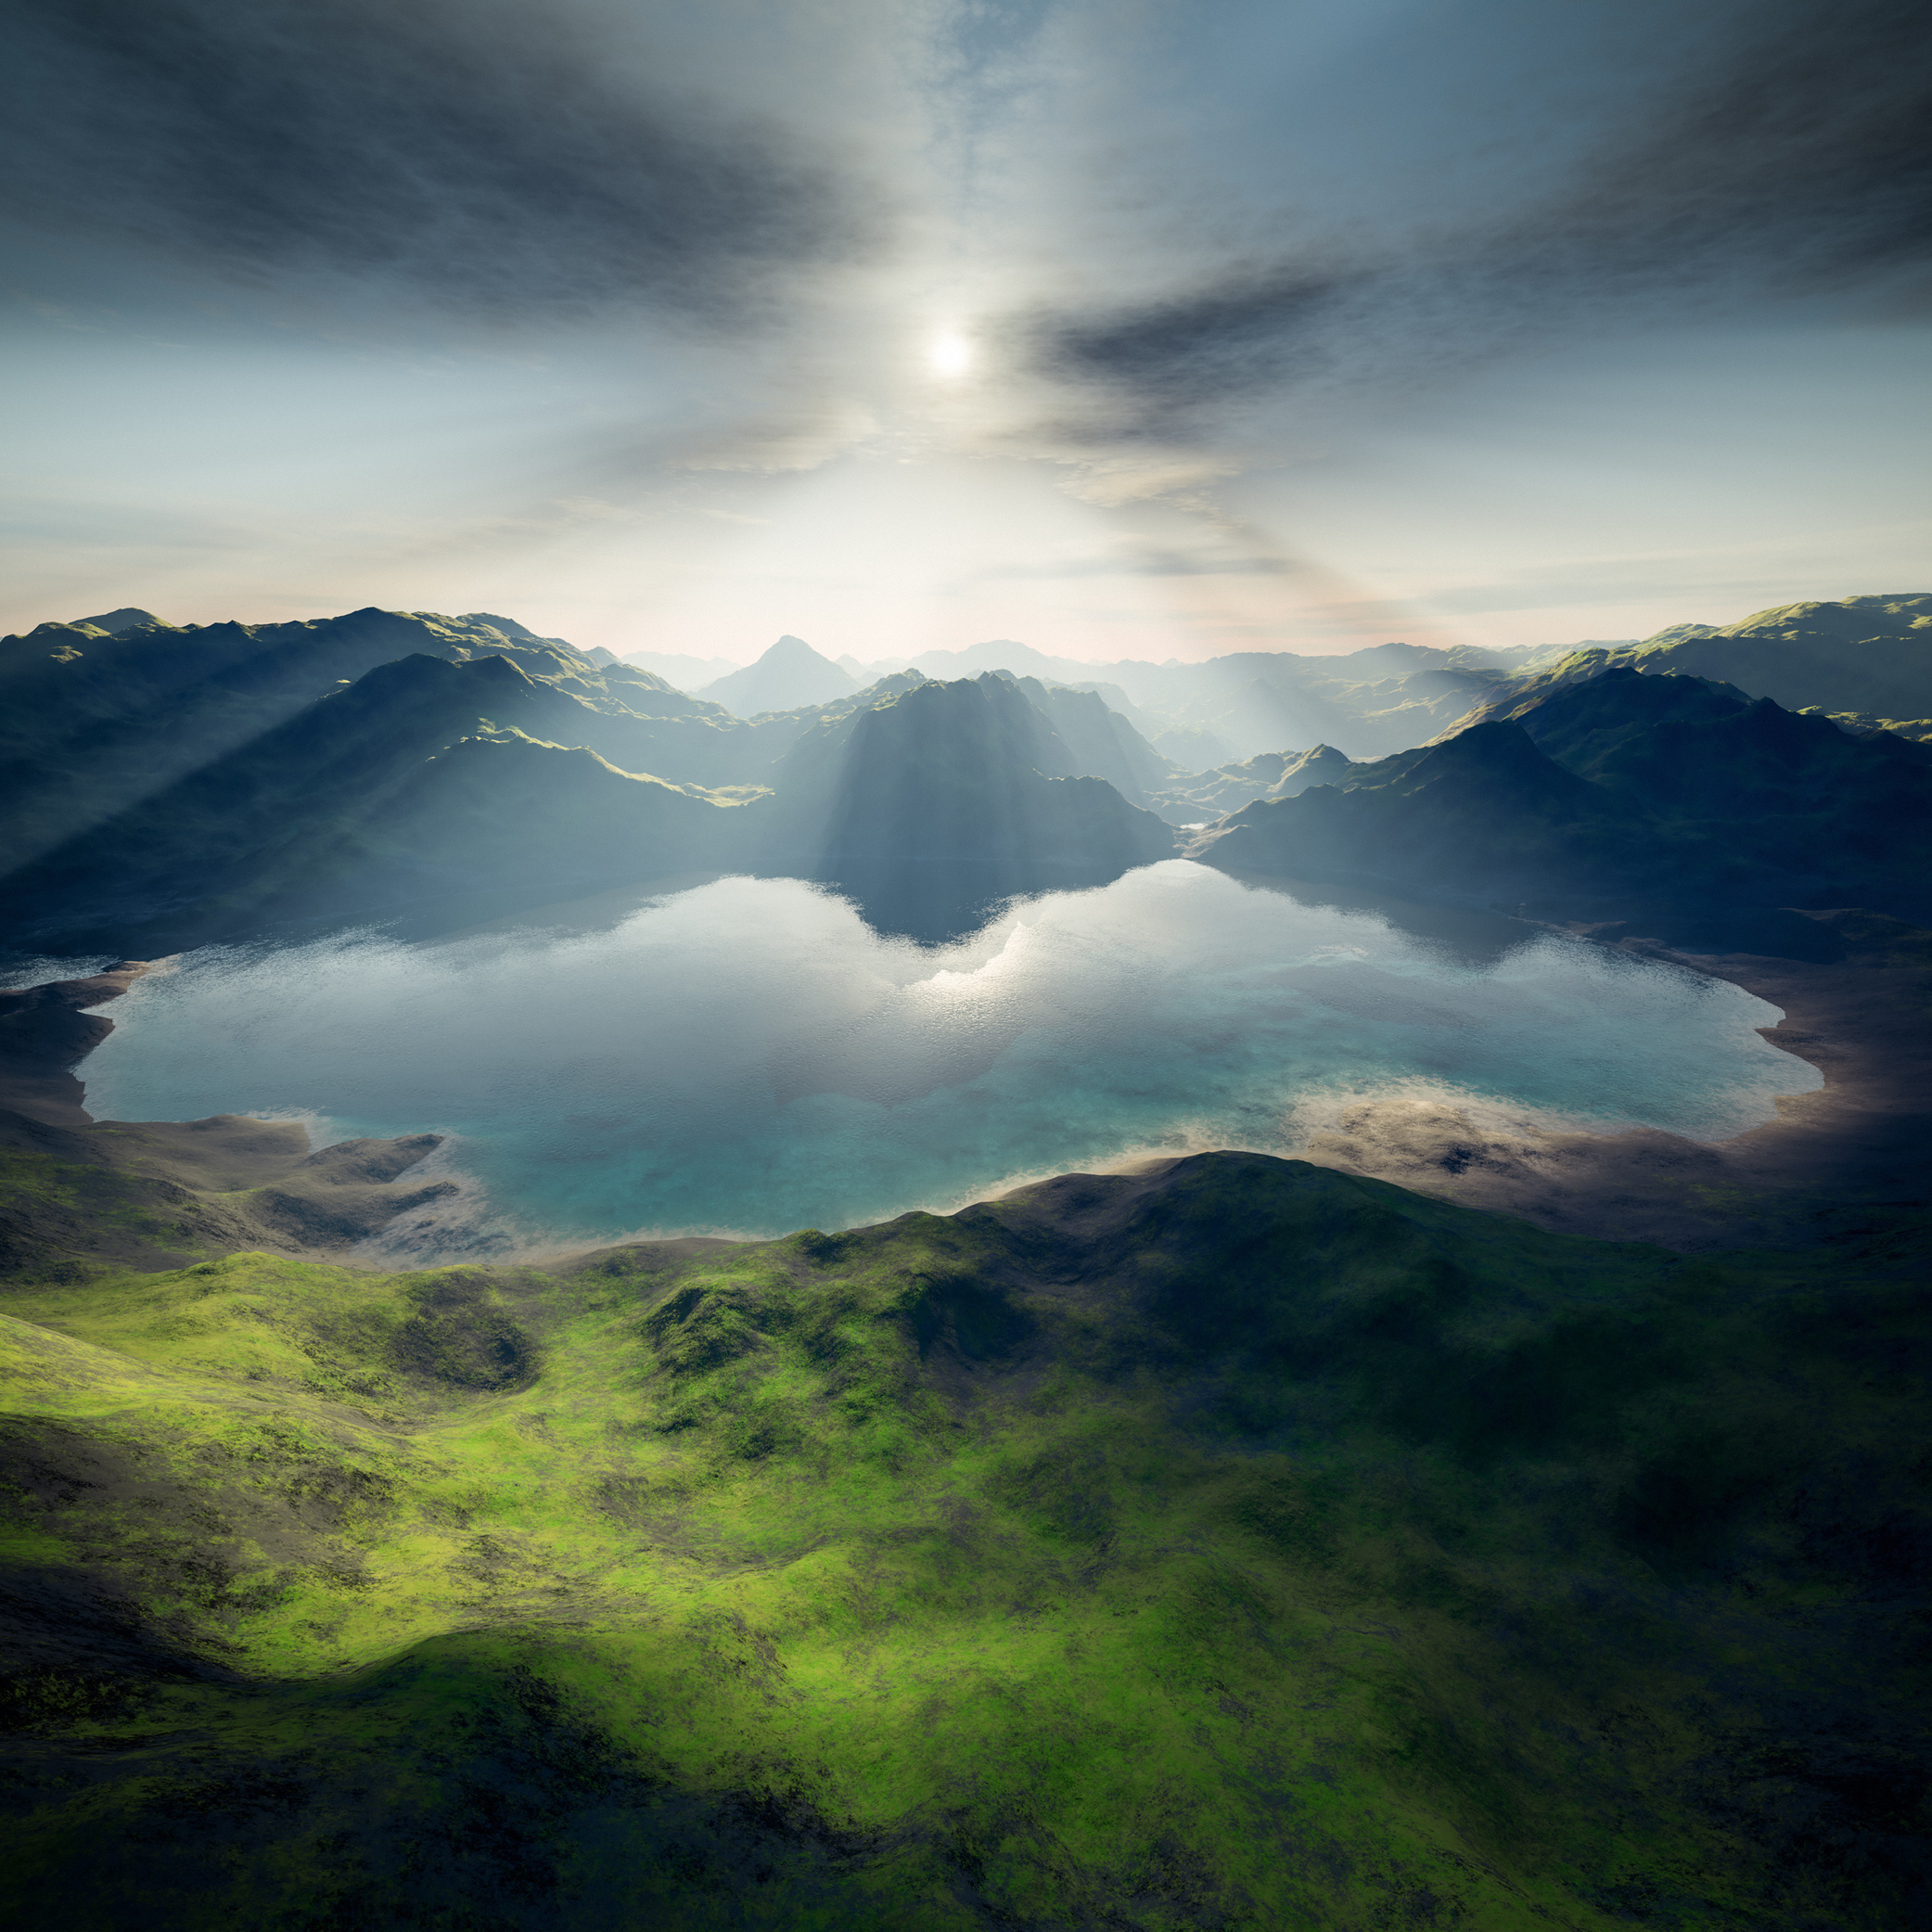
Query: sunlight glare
point(950, 355)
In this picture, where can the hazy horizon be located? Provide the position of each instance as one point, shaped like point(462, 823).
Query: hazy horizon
point(740, 653)
point(1128, 334)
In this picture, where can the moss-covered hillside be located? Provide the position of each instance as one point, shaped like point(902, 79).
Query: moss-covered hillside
point(1238, 1544)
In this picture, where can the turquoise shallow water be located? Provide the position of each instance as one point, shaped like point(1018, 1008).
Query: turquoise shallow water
point(748, 1057)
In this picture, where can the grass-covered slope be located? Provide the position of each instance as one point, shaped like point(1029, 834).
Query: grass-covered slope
point(1241, 1544)
point(1860, 654)
point(1866, 659)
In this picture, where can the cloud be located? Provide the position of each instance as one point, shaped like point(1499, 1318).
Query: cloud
point(1794, 162)
point(806, 437)
point(490, 156)
point(1149, 563)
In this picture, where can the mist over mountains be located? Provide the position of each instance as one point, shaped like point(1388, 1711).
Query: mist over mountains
point(171, 784)
point(1869, 658)
point(1196, 715)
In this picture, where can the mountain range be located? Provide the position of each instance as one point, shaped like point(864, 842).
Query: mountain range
point(1378, 700)
point(437, 778)
point(1867, 659)
point(171, 784)
point(1666, 798)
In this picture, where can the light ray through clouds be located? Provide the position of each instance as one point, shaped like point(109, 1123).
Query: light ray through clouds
point(1129, 330)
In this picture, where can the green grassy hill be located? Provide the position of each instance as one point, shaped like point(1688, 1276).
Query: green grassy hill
point(1871, 656)
point(1239, 1544)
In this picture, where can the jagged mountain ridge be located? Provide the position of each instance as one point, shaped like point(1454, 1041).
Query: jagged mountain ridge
point(91, 723)
point(196, 804)
point(1625, 794)
point(432, 778)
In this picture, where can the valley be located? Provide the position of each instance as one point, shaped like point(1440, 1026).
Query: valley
point(1360, 1360)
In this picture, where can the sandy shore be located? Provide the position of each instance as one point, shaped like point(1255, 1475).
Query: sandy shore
point(1859, 1146)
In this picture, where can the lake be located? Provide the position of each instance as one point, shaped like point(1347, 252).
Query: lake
point(747, 1056)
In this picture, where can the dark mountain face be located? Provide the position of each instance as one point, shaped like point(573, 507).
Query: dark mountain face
point(92, 724)
point(1760, 761)
point(321, 814)
point(1580, 714)
point(941, 802)
point(433, 779)
point(1100, 743)
point(1660, 797)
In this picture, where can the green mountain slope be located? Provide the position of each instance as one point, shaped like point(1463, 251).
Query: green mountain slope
point(1239, 1544)
point(1869, 656)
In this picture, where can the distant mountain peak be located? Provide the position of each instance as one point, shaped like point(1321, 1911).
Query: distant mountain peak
point(115, 621)
point(507, 625)
point(788, 676)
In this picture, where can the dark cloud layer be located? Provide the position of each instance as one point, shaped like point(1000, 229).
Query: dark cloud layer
point(479, 154)
point(1798, 164)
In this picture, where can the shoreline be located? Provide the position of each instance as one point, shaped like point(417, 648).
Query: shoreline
point(1859, 1145)
point(168, 1194)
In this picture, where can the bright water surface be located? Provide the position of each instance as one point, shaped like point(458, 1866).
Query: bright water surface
point(748, 1057)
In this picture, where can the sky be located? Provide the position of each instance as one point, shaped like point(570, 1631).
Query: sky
point(1125, 328)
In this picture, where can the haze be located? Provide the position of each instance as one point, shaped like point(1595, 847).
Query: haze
point(1126, 332)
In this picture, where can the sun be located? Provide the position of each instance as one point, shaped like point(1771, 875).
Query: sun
point(950, 355)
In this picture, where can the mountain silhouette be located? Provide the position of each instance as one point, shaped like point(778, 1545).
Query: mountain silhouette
point(789, 675)
point(1666, 798)
point(934, 805)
